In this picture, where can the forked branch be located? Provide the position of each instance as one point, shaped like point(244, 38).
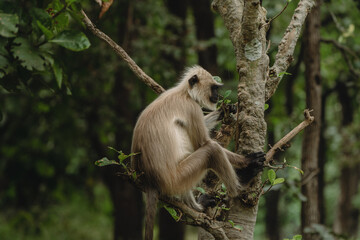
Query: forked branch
point(284, 56)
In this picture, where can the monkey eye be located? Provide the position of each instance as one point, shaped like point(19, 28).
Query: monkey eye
point(194, 79)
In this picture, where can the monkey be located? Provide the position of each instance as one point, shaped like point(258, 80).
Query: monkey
point(176, 151)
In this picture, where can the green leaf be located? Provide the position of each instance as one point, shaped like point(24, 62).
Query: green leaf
point(48, 34)
point(271, 176)
point(278, 181)
point(172, 212)
point(29, 56)
point(4, 66)
point(283, 73)
point(227, 93)
point(105, 161)
point(58, 72)
point(72, 40)
point(231, 222)
point(123, 156)
point(266, 106)
point(8, 25)
point(3, 43)
point(111, 148)
point(297, 237)
point(40, 15)
point(134, 175)
point(200, 189)
point(223, 187)
point(225, 208)
point(217, 79)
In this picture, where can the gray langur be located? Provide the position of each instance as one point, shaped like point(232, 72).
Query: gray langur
point(176, 151)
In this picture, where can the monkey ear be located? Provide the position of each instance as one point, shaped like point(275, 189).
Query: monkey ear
point(194, 79)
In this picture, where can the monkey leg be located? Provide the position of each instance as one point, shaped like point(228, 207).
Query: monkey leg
point(210, 156)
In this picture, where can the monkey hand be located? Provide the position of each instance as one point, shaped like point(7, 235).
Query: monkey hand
point(207, 200)
point(255, 165)
point(226, 109)
point(256, 159)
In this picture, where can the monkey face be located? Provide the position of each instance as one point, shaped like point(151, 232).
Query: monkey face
point(214, 97)
point(202, 87)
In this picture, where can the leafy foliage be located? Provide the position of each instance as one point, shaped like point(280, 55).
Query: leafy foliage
point(32, 43)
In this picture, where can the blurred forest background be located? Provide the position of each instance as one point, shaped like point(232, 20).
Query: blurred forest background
point(63, 102)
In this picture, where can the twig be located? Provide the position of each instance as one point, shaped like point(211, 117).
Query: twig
point(310, 176)
point(121, 52)
point(308, 120)
point(345, 51)
point(60, 11)
point(277, 15)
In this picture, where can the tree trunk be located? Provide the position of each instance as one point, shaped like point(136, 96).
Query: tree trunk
point(244, 19)
point(347, 216)
point(310, 213)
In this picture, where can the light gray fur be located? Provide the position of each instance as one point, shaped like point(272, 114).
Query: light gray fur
point(211, 120)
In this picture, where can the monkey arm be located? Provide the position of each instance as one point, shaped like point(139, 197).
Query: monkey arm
point(238, 161)
point(212, 119)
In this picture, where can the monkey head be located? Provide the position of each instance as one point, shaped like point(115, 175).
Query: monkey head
point(202, 87)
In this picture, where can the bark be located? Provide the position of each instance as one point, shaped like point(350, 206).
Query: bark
point(310, 213)
point(284, 56)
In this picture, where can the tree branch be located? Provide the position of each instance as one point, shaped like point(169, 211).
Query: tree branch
point(232, 12)
point(286, 48)
point(187, 215)
point(308, 120)
point(345, 51)
point(121, 52)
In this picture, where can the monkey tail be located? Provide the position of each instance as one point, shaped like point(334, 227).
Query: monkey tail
point(152, 198)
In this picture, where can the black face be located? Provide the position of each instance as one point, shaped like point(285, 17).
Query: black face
point(214, 94)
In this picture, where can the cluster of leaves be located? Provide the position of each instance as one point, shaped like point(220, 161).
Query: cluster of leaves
point(273, 179)
point(30, 36)
point(121, 157)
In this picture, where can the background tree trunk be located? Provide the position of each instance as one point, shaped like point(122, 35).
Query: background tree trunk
point(347, 216)
point(204, 21)
point(310, 213)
